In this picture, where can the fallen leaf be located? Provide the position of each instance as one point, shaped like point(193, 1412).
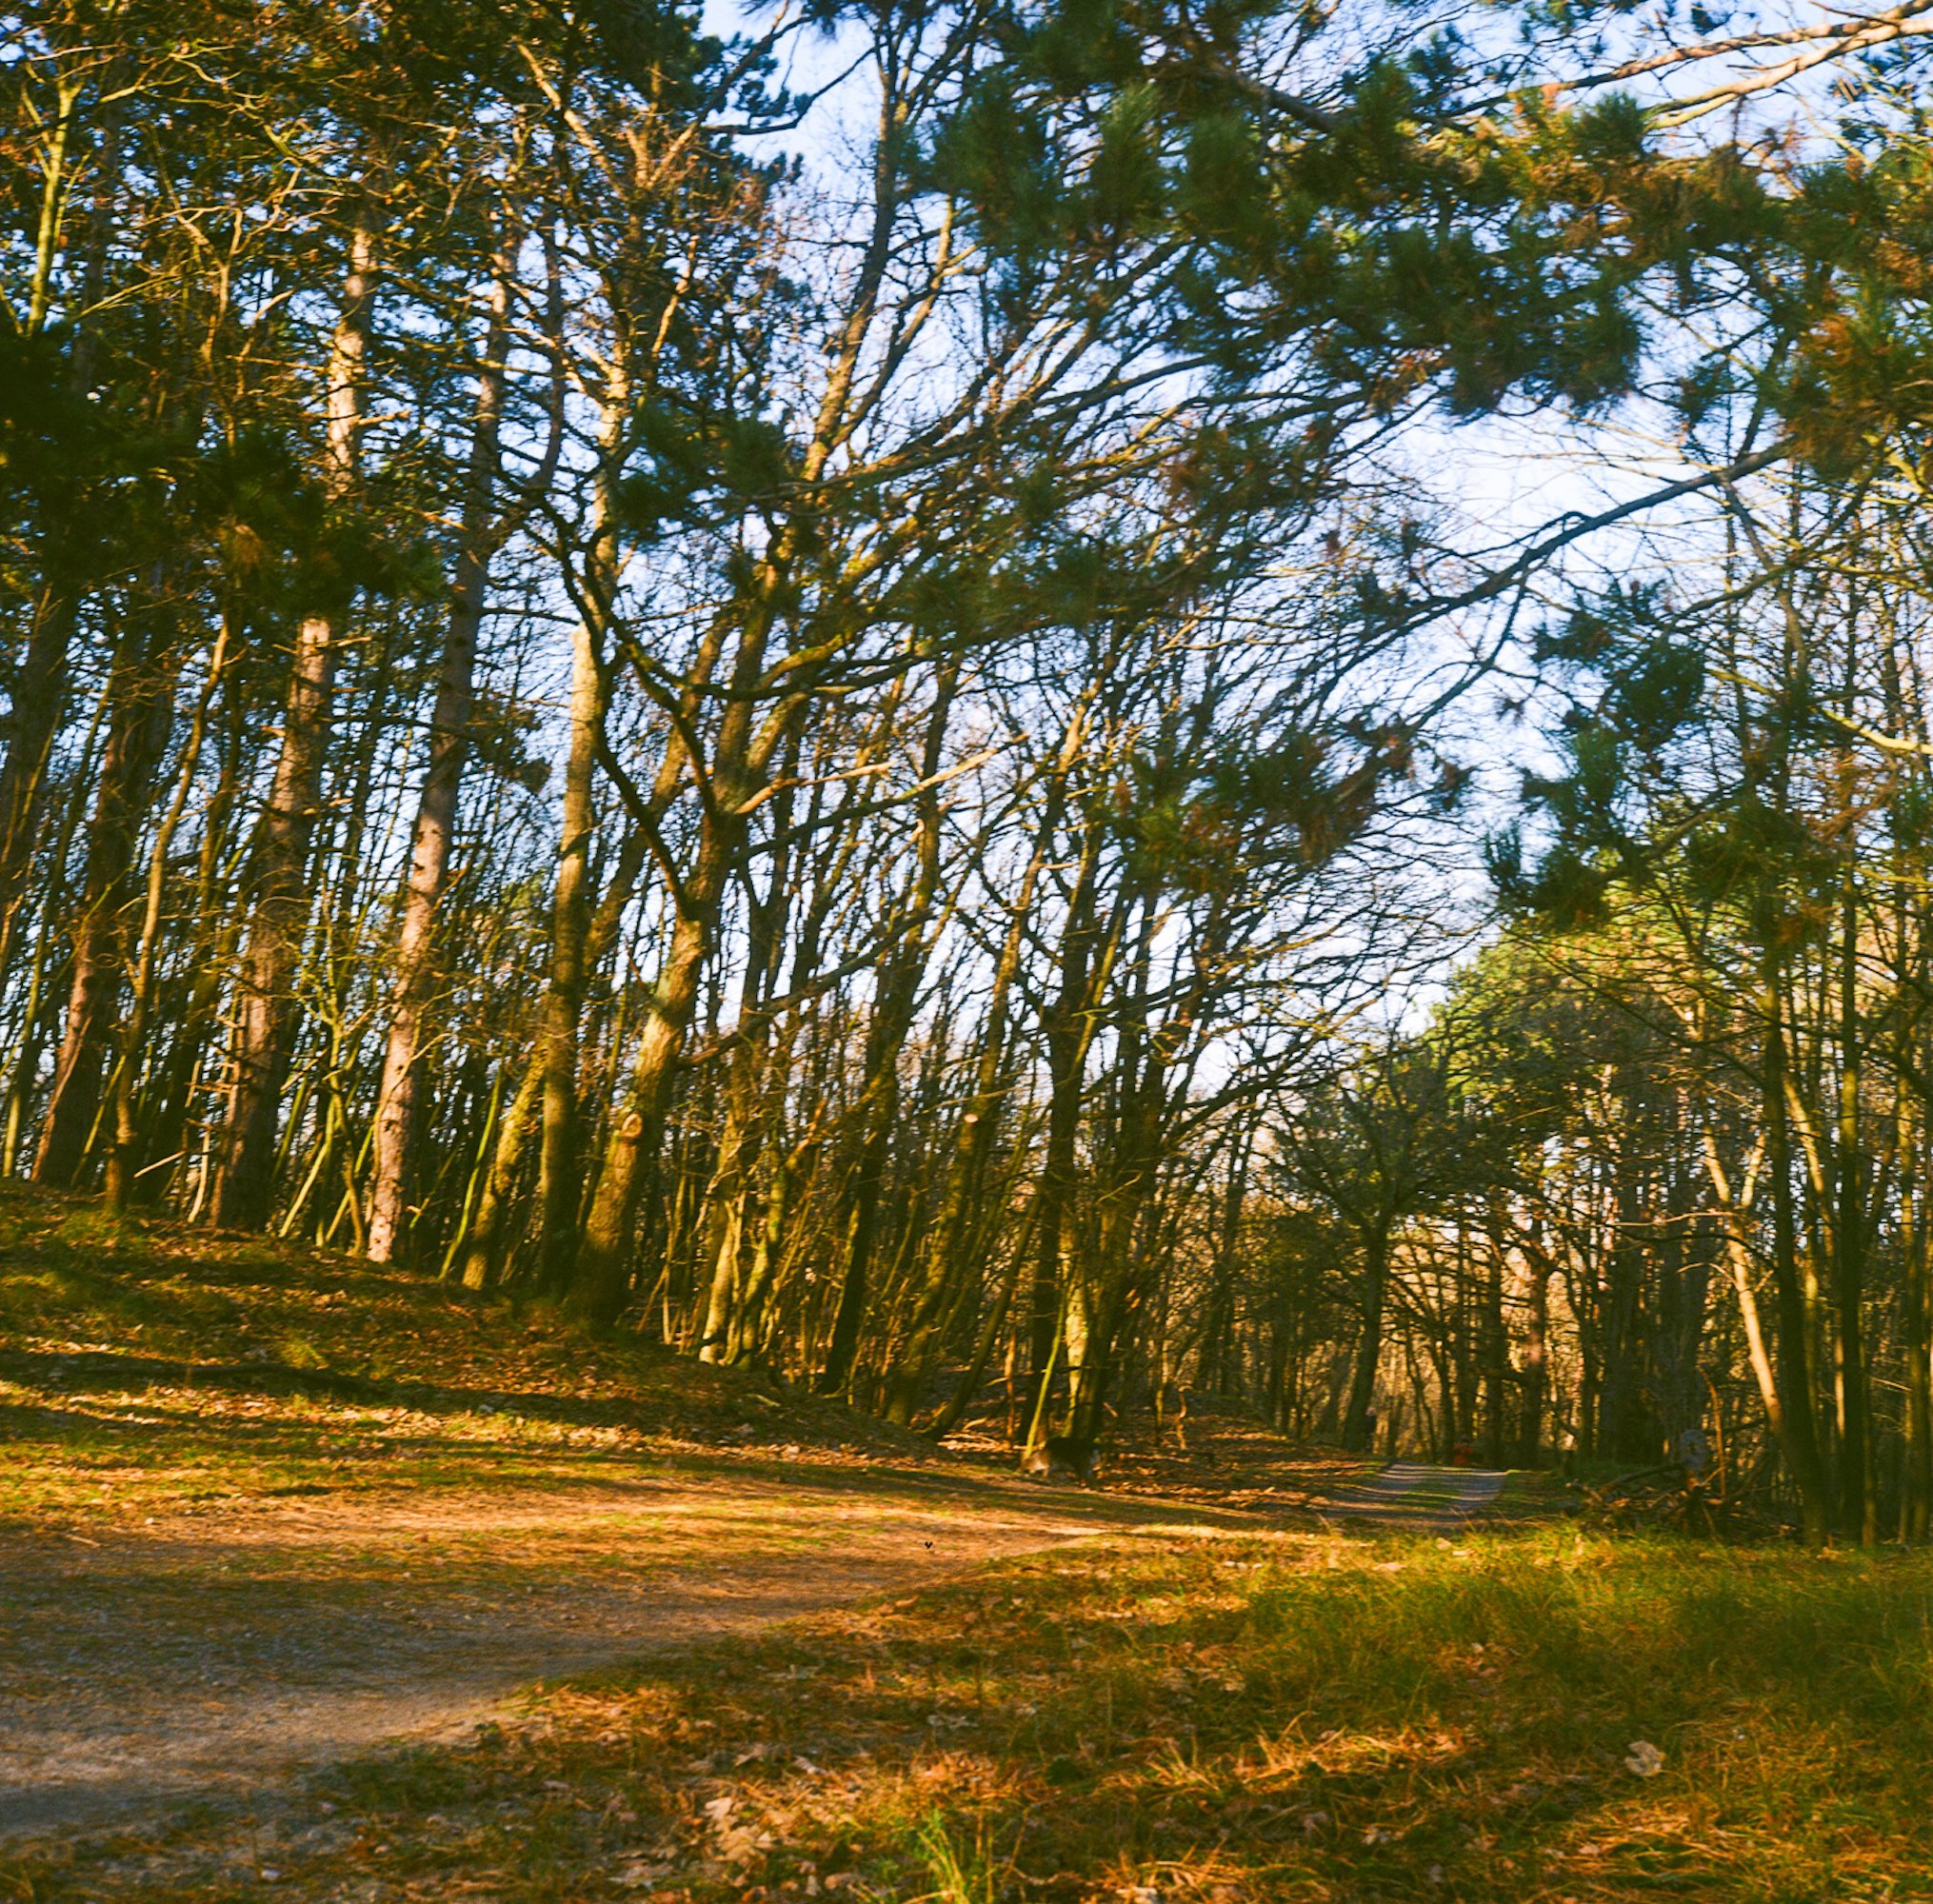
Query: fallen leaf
point(1643, 1760)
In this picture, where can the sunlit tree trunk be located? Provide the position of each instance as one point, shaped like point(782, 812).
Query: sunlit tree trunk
point(602, 1279)
point(265, 1011)
point(399, 1093)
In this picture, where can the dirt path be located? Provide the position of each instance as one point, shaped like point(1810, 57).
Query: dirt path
point(1416, 1498)
point(203, 1657)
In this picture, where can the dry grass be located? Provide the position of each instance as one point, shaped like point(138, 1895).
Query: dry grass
point(1177, 1714)
point(264, 1508)
point(1225, 1719)
point(145, 1366)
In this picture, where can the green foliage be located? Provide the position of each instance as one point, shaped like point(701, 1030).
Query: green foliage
point(1126, 181)
point(1244, 807)
point(995, 154)
point(701, 466)
point(1222, 191)
point(970, 1876)
point(46, 424)
point(1658, 693)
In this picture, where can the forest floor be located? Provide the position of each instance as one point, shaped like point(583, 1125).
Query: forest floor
point(262, 1510)
point(246, 1527)
point(1417, 1498)
point(212, 1654)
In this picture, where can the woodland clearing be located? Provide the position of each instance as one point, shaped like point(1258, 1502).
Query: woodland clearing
point(210, 1655)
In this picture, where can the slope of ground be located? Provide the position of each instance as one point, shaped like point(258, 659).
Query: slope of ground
point(253, 1525)
point(212, 1656)
point(151, 1365)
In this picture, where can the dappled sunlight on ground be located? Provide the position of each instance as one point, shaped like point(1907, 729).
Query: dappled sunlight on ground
point(1233, 1718)
point(818, 1659)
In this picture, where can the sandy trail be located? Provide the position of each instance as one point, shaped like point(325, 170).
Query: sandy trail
point(1413, 1496)
point(215, 1657)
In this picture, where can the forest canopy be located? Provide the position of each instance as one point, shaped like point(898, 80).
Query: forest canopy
point(1004, 704)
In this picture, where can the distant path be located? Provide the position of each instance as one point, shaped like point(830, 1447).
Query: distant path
point(1416, 1498)
point(213, 1656)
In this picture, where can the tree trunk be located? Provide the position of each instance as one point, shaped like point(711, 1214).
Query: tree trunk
point(741, 756)
point(483, 1250)
point(561, 1173)
point(126, 1163)
point(1496, 1364)
point(1916, 1489)
point(265, 1007)
point(893, 1017)
point(137, 733)
point(37, 704)
point(947, 1261)
point(601, 1282)
point(399, 1093)
point(1795, 1362)
point(1068, 1026)
point(1536, 1366)
point(37, 693)
point(1859, 1518)
point(1368, 1357)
